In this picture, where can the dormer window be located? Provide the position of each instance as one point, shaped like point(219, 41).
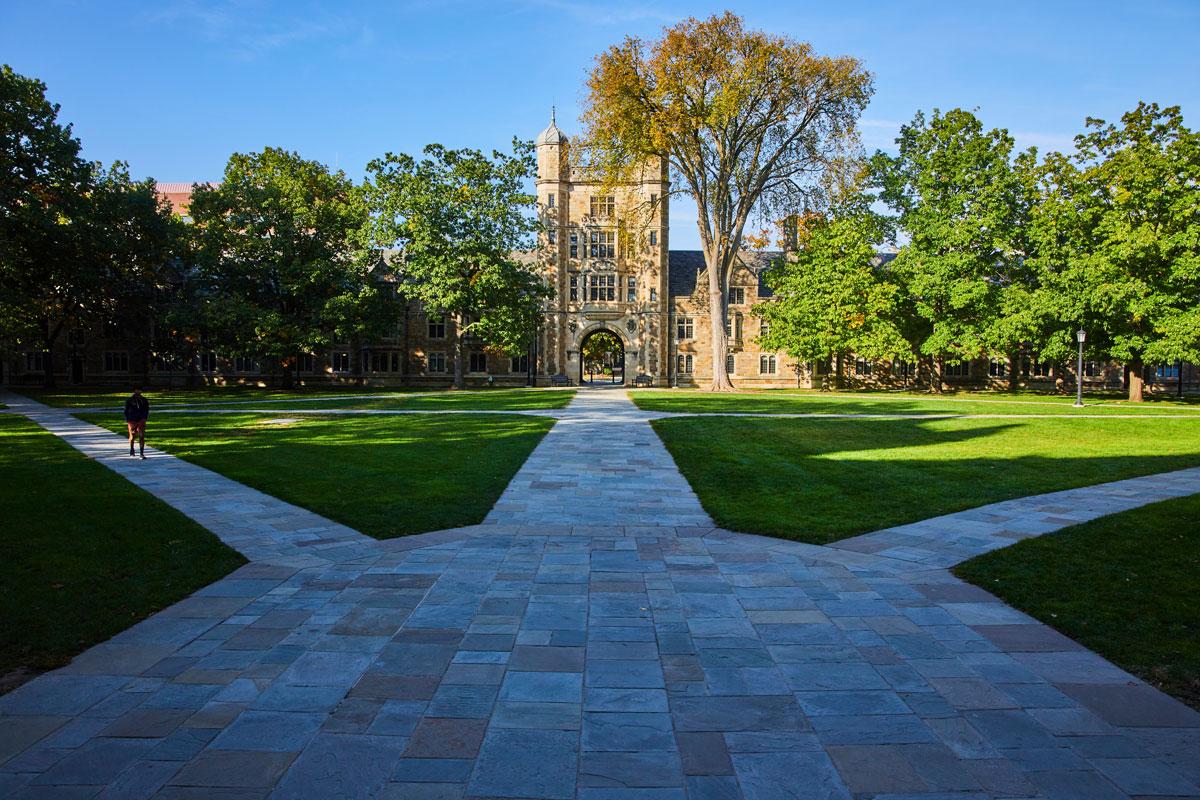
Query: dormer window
point(604, 205)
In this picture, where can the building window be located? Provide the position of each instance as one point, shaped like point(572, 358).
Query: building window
point(550, 200)
point(76, 337)
point(552, 236)
point(1040, 369)
point(574, 245)
point(653, 200)
point(573, 282)
point(1091, 369)
point(603, 244)
point(520, 364)
point(904, 369)
point(862, 367)
point(244, 364)
point(997, 367)
point(478, 362)
point(306, 362)
point(340, 361)
point(684, 364)
point(737, 295)
point(684, 328)
point(631, 289)
point(654, 238)
point(385, 361)
point(35, 362)
point(437, 327)
point(602, 287)
point(116, 361)
point(437, 363)
point(653, 295)
point(604, 205)
point(1166, 371)
point(733, 327)
point(208, 361)
point(959, 370)
point(766, 365)
point(730, 362)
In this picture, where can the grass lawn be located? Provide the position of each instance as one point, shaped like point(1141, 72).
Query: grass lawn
point(805, 401)
point(1125, 586)
point(384, 476)
point(323, 397)
point(818, 480)
point(441, 400)
point(86, 553)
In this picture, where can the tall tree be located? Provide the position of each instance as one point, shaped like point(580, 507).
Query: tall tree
point(1117, 241)
point(747, 121)
point(43, 199)
point(276, 249)
point(832, 296)
point(460, 218)
point(960, 202)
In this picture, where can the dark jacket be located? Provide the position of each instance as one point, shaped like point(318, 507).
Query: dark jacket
point(136, 409)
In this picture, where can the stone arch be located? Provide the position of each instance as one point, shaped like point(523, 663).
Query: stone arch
point(612, 330)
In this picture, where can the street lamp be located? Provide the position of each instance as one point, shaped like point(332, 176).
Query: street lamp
point(1081, 337)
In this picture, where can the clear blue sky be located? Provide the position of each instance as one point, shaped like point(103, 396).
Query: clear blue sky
point(174, 87)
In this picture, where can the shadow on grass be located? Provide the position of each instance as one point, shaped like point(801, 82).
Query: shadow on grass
point(86, 553)
point(822, 480)
point(383, 476)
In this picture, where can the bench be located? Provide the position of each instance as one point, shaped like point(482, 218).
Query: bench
point(560, 380)
point(643, 380)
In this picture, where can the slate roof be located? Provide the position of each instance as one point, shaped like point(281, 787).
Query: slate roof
point(685, 265)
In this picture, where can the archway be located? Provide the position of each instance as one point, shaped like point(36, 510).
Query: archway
point(601, 358)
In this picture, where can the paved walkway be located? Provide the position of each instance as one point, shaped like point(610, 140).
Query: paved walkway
point(517, 659)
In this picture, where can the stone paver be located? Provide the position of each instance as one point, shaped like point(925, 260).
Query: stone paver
point(581, 658)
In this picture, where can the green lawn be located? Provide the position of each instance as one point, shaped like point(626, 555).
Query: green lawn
point(86, 553)
point(444, 400)
point(805, 401)
point(1124, 586)
point(818, 480)
point(324, 397)
point(385, 476)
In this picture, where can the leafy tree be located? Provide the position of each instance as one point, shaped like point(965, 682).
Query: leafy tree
point(276, 250)
point(43, 190)
point(832, 297)
point(962, 205)
point(1117, 242)
point(600, 353)
point(459, 217)
point(746, 120)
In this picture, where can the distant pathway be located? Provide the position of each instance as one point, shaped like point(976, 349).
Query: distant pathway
point(544, 655)
point(953, 538)
point(600, 465)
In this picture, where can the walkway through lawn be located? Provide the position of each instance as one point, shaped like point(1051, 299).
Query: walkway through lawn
point(558, 658)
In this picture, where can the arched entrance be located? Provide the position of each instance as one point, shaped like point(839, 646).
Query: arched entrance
point(601, 358)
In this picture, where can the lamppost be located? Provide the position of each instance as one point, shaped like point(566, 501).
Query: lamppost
point(1081, 337)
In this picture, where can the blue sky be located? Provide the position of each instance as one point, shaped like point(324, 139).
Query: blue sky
point(175, 87)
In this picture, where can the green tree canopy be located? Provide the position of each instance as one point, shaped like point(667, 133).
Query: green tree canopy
point(276, 249)
point(1117, 242)
point(962, 206)
point(833, 296)
point(460, 219)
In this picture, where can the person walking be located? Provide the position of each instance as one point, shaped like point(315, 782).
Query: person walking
point(137, 411)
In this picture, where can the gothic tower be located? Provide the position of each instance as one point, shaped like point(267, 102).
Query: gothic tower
point(605, 252)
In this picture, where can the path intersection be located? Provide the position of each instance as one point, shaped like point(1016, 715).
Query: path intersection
point(596, 637)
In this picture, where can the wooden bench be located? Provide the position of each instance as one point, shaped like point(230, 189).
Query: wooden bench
point(560, 380)
point(643, 380)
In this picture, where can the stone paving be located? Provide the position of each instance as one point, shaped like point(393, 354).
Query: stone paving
point(526, 660)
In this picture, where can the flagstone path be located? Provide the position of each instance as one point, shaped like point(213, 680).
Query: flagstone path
point(543, 655)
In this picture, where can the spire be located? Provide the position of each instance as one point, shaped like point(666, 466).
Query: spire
point(552, 135)
point(552, 115)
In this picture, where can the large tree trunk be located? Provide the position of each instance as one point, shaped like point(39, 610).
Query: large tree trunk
point(716, 314)
point(460, 381)
point(286, 372)
point(49, 337)
point(937, 381)
point(1134, 380)
point(1014, 372)
point(839, 375)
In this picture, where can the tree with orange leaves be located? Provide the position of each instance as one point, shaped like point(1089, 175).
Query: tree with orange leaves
point(748, 123)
